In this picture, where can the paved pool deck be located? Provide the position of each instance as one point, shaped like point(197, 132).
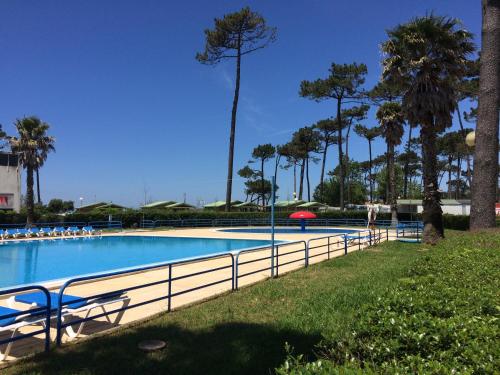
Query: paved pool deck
point(291, 257)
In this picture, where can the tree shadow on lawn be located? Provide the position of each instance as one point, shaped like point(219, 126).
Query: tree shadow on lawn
point(234, 348)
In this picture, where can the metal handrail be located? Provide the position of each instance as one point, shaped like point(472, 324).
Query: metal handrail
point(168, 296)
point(317, 239)
point(264, 221)
point(31, 312)
point(273, 255)
point(146, 223)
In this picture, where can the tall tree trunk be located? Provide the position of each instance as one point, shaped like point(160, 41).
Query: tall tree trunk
point(392, 186)
point(38, 186)
point(485, 178)
point(294, 180)
point(307, 177)
point(459, 177)
point(450, 163)
point(263, 194)
point(341, 161)
point(229, 185)
point(276, 165)
point(407, 165)
point(432, 214)
point(467, 155)
point(347, 165)
point(321, 181)
point(387, 176)
point(371, 176)
point(301, 186)
point(30, 201)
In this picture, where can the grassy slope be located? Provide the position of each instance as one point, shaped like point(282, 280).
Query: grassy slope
point(243, 332)
point(442, 318)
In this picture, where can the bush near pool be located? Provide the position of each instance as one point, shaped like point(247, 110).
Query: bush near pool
point(443, 318)
point(132, 218)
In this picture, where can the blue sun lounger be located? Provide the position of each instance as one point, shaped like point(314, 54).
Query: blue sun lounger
point(14, 323)
point(72, 231)
point(58, 231)
point(38, 299)
point(45, 231)
point(12, 233)
point(365, 239)
point(24, 232)
point(89, 230)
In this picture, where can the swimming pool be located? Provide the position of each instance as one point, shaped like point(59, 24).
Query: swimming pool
point(26, 262)
point(289, 230)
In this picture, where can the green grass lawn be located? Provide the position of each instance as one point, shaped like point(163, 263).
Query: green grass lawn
point(245, 332)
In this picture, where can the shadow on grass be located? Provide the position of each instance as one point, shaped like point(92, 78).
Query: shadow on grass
point(234, 348)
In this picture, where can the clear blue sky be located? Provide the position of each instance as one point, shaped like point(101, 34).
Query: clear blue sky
point(132, 109)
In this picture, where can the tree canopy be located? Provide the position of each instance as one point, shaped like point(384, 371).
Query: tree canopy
point(238, 33)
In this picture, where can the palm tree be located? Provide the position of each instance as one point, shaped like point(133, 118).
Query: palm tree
point(369, 134)
point(32, 145)
point(45, 149)
point(391, 119)
point(428, 57)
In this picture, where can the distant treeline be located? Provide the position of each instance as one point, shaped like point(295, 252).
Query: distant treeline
point(132, 218)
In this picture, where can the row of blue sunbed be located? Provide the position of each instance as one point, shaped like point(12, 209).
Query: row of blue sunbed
point(72, 306)
point(46, 231)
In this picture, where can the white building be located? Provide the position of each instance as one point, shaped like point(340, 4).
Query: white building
point(10, 182)
point(449, 206)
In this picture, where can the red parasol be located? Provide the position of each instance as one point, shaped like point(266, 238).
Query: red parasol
point(302, 215)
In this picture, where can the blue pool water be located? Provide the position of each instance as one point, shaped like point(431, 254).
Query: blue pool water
point(289, 230)
point(26, 262)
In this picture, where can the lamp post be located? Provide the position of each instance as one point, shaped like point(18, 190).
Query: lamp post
point(273, 182)
point(81, 201)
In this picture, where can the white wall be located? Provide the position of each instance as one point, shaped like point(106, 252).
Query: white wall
point(10, 183)
point(463, 209)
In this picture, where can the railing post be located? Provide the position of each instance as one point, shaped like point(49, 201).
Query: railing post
point(345, 245)
point(47, 319)
point(59, 316)
point(236, 271)
point(277, 261)
point(328, 247)
point(306, 255)
point(232, 271)
point(387, 233)
point(169, 300)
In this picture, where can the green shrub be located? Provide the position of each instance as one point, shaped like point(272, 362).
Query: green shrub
point(133, 217)
point(458, 222)
point(441, 319)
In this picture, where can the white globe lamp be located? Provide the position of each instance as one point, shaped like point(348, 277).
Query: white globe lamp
point(470, 139)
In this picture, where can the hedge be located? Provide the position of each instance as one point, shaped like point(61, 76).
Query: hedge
point(440, 319)
point(131, 217)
